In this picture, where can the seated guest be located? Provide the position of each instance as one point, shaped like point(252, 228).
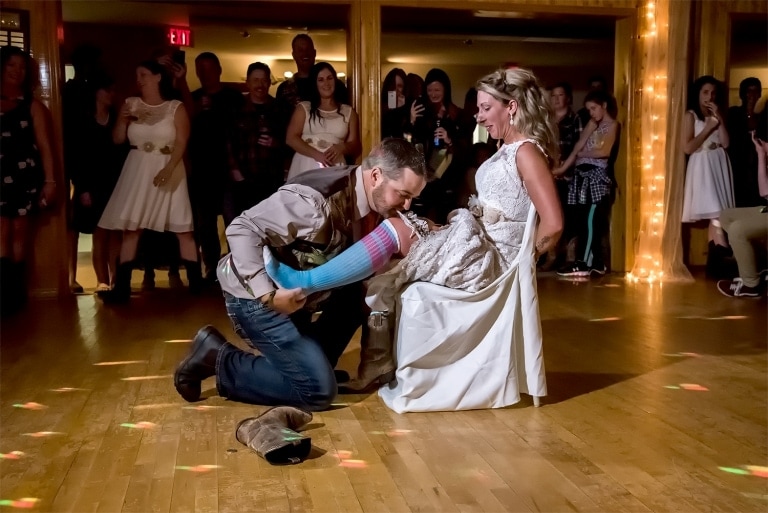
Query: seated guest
point(745, 226)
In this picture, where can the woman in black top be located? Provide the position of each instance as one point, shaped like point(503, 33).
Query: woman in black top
point(97, 162)
point(436, 123)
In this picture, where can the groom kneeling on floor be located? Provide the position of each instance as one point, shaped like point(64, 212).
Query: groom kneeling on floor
point(301, 335)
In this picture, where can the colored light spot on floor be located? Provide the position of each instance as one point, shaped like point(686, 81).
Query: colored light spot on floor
point(25, 503)
point(199, 469)
point(758, 471)
point(737, 471)
point(124, 362)
point(145, 378)
point(139, 425)
point(42, 434)
point(694, 387)
point(353, 463)
point(155, 406)
point(30, 406)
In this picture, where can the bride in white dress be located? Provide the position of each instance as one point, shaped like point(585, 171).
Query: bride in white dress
point(468, 330)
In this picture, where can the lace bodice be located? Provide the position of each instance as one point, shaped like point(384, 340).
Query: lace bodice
point(500, 186)
point(326, 128)
point(153, 125)
point(505, 201)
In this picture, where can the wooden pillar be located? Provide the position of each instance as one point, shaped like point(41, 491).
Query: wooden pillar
point(364, 63)
point(47, 262)
point(714, 38)
point(621, 239)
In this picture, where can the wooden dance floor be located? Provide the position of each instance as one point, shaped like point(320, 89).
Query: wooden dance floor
point(657, 402)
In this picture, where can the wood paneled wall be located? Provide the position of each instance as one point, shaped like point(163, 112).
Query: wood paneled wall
point(712, 33)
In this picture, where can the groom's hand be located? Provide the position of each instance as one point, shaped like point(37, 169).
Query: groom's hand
point(285, 301)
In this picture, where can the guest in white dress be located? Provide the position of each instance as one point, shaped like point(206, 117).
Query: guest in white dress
point(324, 131)
point(480, 346)
point(708, 179)
point(152, 190)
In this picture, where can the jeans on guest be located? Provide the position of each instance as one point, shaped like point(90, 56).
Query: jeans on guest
point(592, 222)
point(295, 367)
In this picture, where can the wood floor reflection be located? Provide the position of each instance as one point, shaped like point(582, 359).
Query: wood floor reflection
point(657, 402)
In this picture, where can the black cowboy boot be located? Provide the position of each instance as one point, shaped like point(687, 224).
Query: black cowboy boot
point(194, 276)
point(199, 364)
point(272, 435)
point(121, 292)
point(12, 289)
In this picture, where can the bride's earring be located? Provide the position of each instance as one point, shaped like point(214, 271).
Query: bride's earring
point(512, 120)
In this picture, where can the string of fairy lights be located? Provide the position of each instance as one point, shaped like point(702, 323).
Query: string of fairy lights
point(648, 252)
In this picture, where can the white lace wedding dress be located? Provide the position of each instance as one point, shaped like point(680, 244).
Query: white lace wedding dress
point(468, 330)
point(136, 203)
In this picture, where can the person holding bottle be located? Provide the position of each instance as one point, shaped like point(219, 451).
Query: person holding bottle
point(435, 122)
point(255, 147)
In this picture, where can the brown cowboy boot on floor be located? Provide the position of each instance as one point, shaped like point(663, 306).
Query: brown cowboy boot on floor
point(272, 435)
point(377, 362)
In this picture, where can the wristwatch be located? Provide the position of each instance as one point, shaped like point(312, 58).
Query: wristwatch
point(270, 302)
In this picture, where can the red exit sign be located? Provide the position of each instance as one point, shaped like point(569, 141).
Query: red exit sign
point(179, 36)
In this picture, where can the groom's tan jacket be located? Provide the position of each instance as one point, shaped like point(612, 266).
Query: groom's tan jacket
point(316, 209)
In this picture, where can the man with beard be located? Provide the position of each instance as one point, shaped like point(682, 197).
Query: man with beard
point(308, 221)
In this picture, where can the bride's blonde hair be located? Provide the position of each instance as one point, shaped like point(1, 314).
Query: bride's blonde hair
point(534, 117)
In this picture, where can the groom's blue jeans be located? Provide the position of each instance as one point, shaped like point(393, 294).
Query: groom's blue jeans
point(295, 367)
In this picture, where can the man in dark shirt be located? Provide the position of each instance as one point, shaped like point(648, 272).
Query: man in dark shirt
point(212, 109)
point(255, 146)
point(297, 88)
